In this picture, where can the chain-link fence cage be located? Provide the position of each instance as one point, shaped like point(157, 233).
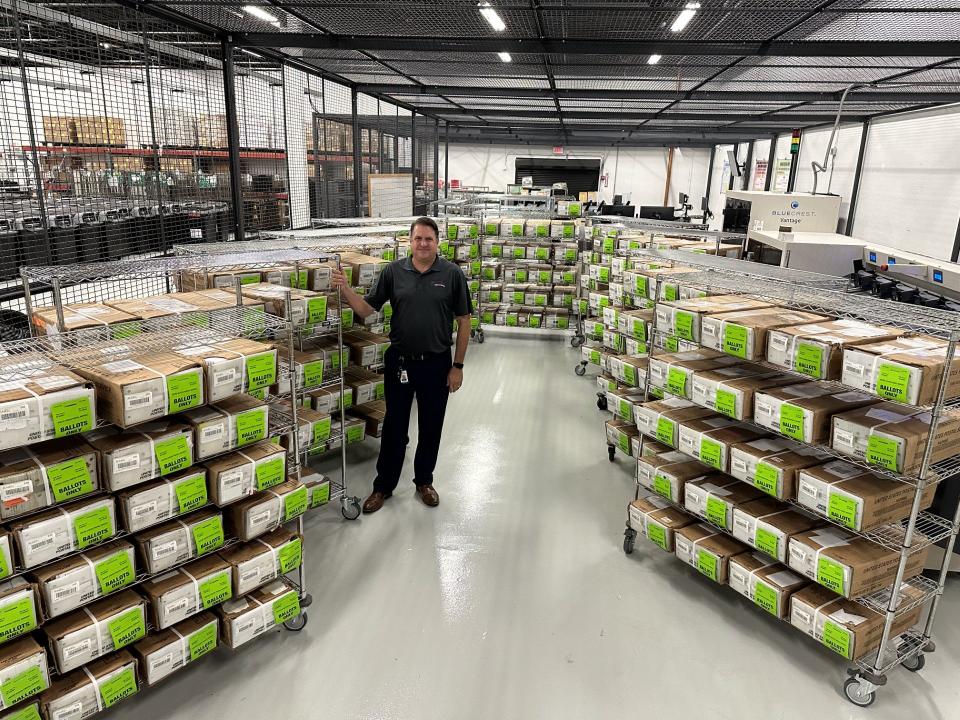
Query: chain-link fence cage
point(330, 161)
point(425, 164)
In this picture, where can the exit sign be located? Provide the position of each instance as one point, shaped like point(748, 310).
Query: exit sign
point(558, 149)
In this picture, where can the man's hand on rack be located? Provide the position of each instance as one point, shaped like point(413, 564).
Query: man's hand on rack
point(454, 379)
point(338, 279)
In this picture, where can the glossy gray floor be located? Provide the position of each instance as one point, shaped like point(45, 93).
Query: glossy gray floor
point(513, 599)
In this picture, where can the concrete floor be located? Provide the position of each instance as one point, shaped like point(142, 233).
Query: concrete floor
point(514, 600)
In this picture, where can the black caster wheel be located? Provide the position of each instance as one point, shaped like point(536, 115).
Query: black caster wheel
point(350, 508)
point(14, 325)
point(915, 663)
point(296, 624)
point(576, 341)
point(601, 402)
point(580, 369)
point(629, 540)
point(306, 601)
point(611, 452)
point(851, 688)
point(480, 337)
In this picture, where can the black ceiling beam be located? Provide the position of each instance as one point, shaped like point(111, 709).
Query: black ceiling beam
point(717, 117)
point(787, 97)
point(587, 46)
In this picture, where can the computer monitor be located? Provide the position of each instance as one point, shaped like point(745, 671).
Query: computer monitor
point(621, 210)
point(654, 212)
point(618, 199)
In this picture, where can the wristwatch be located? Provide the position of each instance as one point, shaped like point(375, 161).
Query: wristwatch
point(458, 366)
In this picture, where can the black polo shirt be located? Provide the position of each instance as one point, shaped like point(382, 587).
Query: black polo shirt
point(424, 304)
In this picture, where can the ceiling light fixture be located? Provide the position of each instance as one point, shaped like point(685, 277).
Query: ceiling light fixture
point(505, 57)
point(259, 12)
point(685, 16)
point(654, 59)
point(491, 16)
point(252, 53)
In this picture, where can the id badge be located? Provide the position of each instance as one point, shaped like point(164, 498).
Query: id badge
point(404, 378)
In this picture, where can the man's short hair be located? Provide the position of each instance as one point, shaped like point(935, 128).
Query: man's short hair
point(428, 222)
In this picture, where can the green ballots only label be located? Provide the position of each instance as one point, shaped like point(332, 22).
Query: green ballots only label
point(72, 416)
point(208, 535)
point(766, 478)
point(173, 454)
point(791, 421)
point(127, 628)
point(191, 494)
point(202, 641)
point(120, 686)
point(842, 510)
point(251, 426)
point(70, 479)
point(707, 564)
point(883, 451)
point(837, 639)
point(184, 391)
point(830, 574)
point(215, 590)
point(808, 359)
point(665, 430)
point(92, 527)
point(735, 340)
point(114, 573)
point(711, 453)
point(892, 382)
point(21, 686)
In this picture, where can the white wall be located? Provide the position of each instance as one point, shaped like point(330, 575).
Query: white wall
point(838, 180)
point(910, 185)
point(641, 172)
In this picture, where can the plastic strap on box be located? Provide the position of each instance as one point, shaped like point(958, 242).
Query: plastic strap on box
point(96, 688)
point(274, 552)
point(154, 464)
point(752, 576)
point(88, 316)
point(253, 465)
point(184, 651)
point(198, 601)
point(43, 474)
point(96, 629)
point(186, 529)
point(280, 499)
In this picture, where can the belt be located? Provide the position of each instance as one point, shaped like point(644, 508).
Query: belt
point(419, 357)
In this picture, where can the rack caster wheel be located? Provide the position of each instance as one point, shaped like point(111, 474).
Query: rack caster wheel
point(852, 689)
point(350, 508)
point(629, 540)
point(601, 402)
point(580, 369)
point(915, 664)
point(306, 601)
point(296, 624)
point(576, 341)
point(480, 336)
point(611, 452)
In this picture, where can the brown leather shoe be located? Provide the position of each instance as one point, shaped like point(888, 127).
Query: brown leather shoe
point(428, 495)
point(374, 502)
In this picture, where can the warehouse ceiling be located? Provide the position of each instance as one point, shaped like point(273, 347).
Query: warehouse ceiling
point(610, 71)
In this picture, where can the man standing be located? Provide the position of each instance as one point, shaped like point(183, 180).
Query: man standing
point(426, 293)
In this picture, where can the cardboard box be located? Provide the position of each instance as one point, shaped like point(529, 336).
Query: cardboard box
point(177, 541)
point(367, 386)
point(772, 464)
point(164, 311)
point(635, 323)
point(846, 627)
point(767, 525)
point(23, 671)
point(366, 348)
point(710, 439)
point(314, 429)
point(893, 436)
point(707, 549)
point(40, 401)
point(47, 474)
point(817, 350)
point(152, 503)
point(179, 594)
point(364, 269)
point(683, 317)
point(234, 366)
point(51, 534)
point(141, 388)
point(232, 423)
point(191, 280)
point(847, 564)
point(242, 473)
point(328, 400)
point(76, 581)
point(373, 414)
point(856, 499)
point(657, 521)
point(622, 401)
point(318, 488)
point(715, 497)
point(803, 412)
point(266, 511)
point(327, 348)
point(260, 561)
point(905, 370)
point(7, 564)
point(91, 321)
point(130, 457)
point(163, 653)
point(19, 607)
point(250, 616)
point(619, 434)
point(667, 474)
point(673, 372)
point(744, 334)
point(767, 583)
point(101, 628)
point(642, 282)
point(660, 419)
point(730, 390)
point(83, 693)
point(306, 307)
point(630, 371)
